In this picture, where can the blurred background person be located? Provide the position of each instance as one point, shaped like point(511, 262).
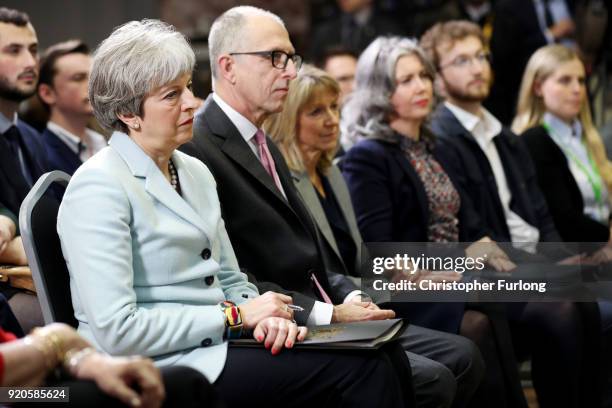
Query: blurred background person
point(62, 89)
point(573, 171)
point(341, 65)
point(495, 172)
point(22, 155)
point(521, 27)
point(358, 24)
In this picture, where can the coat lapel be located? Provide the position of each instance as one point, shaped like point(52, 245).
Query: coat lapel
point(236, 148)
point(309, 195)
point(156, 184)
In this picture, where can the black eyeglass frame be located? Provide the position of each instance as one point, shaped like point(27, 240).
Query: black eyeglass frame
point(296, 58)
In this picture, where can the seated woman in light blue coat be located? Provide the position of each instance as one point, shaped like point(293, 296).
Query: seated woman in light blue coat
point(152, 270)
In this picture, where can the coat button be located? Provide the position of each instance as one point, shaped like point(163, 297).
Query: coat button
point(206, 342)
point(209, 280)
point(205, 254)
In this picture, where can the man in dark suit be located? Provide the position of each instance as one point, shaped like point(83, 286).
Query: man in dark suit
point(520, 27)
point(494, 171)
point(62, 89)
point(274, 237)
point(22, 156)
point(357, 25)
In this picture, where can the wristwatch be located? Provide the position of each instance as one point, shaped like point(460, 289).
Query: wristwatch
point(233, 320)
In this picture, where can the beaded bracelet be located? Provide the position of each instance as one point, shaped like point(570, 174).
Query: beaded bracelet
point(73, 358)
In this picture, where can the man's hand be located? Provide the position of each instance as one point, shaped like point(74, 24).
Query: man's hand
point(359, 311)
point(270, 304)
point(562, 29)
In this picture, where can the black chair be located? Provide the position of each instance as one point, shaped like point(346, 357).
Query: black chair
point(37, 222)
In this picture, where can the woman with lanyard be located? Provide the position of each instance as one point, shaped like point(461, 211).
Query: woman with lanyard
point(573, 171)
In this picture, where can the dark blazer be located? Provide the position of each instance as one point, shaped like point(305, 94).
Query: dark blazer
point(560, 189)
point(12, 192)
point(59, 155)
point(389, 197)
point(470, 168)
point(391, 205)
point(275, 240)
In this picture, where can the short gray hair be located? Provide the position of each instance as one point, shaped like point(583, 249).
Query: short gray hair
point(226, 33)
point(366, 113)
point(136, 58)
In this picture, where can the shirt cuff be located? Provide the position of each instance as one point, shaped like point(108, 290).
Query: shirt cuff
point(351, 295)
point(321, 313)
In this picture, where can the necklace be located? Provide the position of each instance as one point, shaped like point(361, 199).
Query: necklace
point(173, 175)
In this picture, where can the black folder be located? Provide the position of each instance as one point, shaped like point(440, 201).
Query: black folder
point(355, 335)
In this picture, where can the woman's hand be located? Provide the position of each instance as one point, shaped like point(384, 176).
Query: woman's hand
point(270, 304)
point(276, 333)
point(494, 256)
point(117, 375)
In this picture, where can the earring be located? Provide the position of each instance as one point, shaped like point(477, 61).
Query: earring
point(136, 126)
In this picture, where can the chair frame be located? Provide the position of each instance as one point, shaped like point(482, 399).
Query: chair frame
point(25, 225)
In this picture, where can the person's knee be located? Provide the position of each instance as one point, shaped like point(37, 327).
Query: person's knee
point(434, 383)
point(470, 366)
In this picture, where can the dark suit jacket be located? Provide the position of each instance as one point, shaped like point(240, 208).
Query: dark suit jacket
point(11, 192)
point(516, 35)
point(275, 240)
point(560, 190)
point(59, 155)
point(328, 35)
point(466, 162)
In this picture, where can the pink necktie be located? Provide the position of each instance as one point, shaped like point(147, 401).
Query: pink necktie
point(324, 295)
point(266, 158)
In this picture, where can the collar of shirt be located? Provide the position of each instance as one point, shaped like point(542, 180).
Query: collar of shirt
point(484, 128)
point(70, 139)
point(5, 123)
point(561, 131)
point(245, 127)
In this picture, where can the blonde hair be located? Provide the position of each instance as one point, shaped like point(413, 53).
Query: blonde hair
point(283, 126)
point(531, 109)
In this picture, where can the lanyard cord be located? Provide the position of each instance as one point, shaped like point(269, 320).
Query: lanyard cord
point(593, 176)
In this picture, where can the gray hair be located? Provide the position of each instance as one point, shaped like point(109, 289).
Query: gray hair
point(227, 32)
point(136, 58)
point(366, 113)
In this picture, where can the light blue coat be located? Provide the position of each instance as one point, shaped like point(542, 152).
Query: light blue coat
point(134, 251)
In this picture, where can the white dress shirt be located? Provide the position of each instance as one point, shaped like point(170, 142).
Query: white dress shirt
point(93, 141)
point(485, 128)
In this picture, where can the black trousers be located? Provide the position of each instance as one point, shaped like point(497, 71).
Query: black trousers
point(185, 387)
point(319, 378)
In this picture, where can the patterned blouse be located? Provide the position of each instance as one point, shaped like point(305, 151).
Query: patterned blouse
point(444, 200)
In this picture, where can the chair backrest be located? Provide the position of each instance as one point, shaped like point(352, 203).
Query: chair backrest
point(37, 222)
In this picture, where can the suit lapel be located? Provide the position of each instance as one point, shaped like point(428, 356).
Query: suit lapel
point(236, 148)
point(338, 186)
point(156, 184)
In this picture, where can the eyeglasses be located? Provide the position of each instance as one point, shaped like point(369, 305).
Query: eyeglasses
point(279, 59)
point(464, 61)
